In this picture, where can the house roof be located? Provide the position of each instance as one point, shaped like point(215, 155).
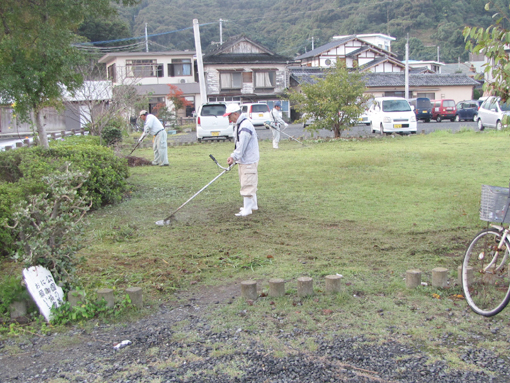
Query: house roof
point(225, 47)
point(110, 56)
point(90, 90)
point(427, 79)
point(246, 58)
point(309, 75)
point(223, 54)
point(326, 47)
point(159, 89)
point(341, 41)
point(379, 60)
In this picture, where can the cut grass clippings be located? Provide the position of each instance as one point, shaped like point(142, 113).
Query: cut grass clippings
point(368, 209)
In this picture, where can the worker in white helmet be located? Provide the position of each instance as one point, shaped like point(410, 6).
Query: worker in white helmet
point(278, 123)
point(155, 128)
point(246, 154)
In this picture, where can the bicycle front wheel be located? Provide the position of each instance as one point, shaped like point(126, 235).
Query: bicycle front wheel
point(485, 278)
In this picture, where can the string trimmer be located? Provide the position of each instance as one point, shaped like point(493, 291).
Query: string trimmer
point(269, 125)
point(168, 219)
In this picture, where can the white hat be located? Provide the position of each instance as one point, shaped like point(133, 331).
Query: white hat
point(143, 112)
point(231, 108)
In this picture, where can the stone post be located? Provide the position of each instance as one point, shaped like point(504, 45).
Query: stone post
point(249, 290)
point(413, 278)
point(304, 286)
point(135, 294)
point(18, 309)
point(276, 287)
point(333, 283)
point(469, 273)
point(74, 297)
point(107, 295)
point(439, 277)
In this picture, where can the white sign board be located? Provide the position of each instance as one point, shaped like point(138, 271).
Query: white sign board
point(43, 289)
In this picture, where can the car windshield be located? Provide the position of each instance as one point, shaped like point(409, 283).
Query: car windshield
point(395, 106)
point(448, 103)
point(505, 106)
point(259, 108)
point(423, 103)
point(213, 110)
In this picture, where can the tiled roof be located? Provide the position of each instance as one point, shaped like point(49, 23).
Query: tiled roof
point(325, 47)
point(308, 75)
point(246, 58)
point(427, 79)
point(358, 51)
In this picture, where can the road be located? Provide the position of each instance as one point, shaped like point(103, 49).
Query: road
point(296, 130)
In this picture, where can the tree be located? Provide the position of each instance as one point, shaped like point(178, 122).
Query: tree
point(493, 42)
point(37, 58)
point(334, 101)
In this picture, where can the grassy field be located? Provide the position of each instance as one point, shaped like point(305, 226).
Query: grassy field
point(368, 209)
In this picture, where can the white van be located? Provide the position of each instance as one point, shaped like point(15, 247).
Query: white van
point(211, 124)
point(392, 115)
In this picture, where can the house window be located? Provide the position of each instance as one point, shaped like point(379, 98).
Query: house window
point(265, 79)
point(144, 68)
point(397, 93)
point(231, 80)
point(179, 67)
point(155, 104)
point(431, 96)
point(111, 72)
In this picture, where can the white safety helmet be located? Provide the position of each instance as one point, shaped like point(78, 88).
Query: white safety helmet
point(231, 108)
point(143, 113)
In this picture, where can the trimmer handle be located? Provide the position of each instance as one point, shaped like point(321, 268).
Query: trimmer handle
point(224, 168)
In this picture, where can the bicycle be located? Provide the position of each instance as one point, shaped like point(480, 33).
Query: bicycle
point(485, 269)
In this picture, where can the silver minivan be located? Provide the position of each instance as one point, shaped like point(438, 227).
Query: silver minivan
point(491, 112)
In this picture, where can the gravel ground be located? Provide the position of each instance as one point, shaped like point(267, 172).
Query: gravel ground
point(177, 344)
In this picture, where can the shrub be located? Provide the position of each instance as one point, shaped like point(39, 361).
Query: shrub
point(48, 225)
point(111, 136)
point(21, 173)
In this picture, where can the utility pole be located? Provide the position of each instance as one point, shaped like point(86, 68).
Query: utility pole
point(438, 53)
point(221, 31)
point(200, 61)
point(146, 39)
point(407, 70)
point(313, 47)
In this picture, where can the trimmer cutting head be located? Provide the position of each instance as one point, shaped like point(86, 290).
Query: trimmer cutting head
point(163, 222)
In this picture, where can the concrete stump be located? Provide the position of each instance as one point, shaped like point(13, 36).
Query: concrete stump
point(276, 287)
point(107, 295)
point(54, 135)
point(439, 277)
point(18, 309)
point(135, 294)
point(74, 297)
point(413, 278)
point(333, 283)
point(249, 290)
point(7, 147)
point(62, 133)
point(26, 142)
point(19, 144)
point(304, 286)
point(469, 273)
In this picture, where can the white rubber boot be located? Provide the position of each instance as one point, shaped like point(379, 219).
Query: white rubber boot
point(255, 206)
point(275, 145)
point(246, 210)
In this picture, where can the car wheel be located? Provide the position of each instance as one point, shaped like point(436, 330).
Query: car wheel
point(381, 130)
point(480, 125)
point(499, 126)
point(475, 117)
point(427, 120)
point(452, 119)
point(438, 119)
point(199, 140)
point(457, 118)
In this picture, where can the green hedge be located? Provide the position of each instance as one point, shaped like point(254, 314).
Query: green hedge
point(21, 171)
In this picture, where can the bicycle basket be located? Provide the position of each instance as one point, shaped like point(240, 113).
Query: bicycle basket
point(493, 204)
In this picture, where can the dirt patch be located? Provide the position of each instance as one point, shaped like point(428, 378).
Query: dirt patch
point(138, 161)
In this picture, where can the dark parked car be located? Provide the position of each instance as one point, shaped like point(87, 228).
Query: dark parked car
point(467, 111)
point(422, 108)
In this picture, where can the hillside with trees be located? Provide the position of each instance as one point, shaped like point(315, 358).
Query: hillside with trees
point(288, 26)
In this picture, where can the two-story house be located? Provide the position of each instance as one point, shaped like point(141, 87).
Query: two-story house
point(369, 53)
point(151, 72)
point(243, 71)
